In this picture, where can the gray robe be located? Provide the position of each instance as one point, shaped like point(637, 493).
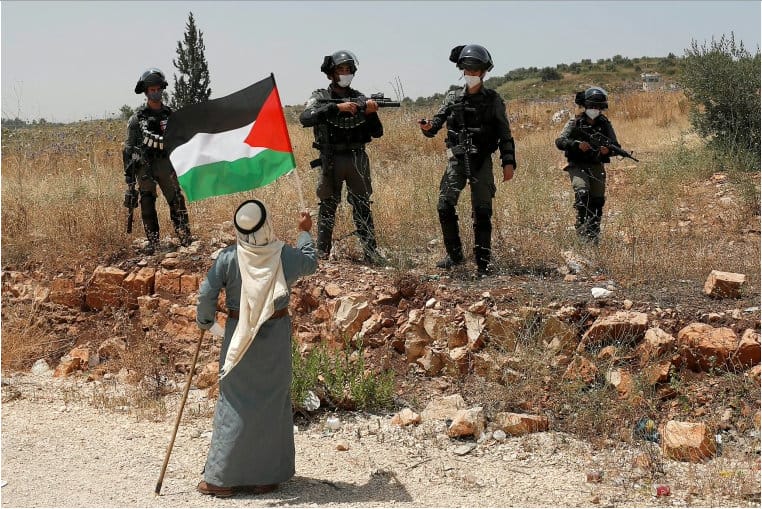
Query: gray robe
point(253, 436)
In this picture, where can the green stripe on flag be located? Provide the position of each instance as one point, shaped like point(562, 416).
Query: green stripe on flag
point(227, 177)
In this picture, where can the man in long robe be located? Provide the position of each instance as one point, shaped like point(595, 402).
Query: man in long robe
point(252, 445)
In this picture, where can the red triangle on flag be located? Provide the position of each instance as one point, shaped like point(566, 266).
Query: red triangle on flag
point(269, 129)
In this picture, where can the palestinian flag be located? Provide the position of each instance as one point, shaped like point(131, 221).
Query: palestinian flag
point(231, 144)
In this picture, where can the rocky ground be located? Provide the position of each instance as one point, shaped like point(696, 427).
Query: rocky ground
point(80, 440)
point(562, 344)
point(60, 450)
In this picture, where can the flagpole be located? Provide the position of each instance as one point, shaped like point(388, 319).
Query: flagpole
point(298, 180)
point(302, 204)
point(157, 490)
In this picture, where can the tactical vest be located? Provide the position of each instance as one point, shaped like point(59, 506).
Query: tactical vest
point(342, 131)
point(152, 124)
point(602, 125)
point(482, 117)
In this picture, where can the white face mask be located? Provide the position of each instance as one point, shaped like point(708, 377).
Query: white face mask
point(472, 81)
point(592, 113)
point(345, 79)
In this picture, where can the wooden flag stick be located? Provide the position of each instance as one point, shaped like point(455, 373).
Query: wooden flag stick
point(302, 205)
point(157, 491)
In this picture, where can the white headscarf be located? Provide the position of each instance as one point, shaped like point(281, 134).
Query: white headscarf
point(262, 279)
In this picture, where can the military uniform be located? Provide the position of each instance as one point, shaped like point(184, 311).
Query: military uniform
point(341, 138)
point(150, 165)
point(484, 111)
point(586, 172)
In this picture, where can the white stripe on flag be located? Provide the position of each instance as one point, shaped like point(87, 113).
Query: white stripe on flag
point(205, 148)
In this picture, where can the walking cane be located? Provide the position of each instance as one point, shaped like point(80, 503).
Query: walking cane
point(157, 491)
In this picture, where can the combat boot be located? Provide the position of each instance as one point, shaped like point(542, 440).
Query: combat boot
point(448, 262)
point(184, 235)
point(594, 226)
point(325, 222)
point(323, 246)
point(373, 257)
point(451, 237)
point(582, 225)
point(454, 257)
point(153, 243)
point(483, 240)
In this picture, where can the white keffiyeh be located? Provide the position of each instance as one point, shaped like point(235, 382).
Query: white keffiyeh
point(262, 282)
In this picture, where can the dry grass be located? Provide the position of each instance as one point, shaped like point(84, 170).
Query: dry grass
point(26, 338)
point(62, 195)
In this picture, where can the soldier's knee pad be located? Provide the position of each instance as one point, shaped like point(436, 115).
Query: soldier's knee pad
point(581, 199)
point(147, 198)
point(446, 212)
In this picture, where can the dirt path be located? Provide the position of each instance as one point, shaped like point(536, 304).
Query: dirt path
point(60, 451)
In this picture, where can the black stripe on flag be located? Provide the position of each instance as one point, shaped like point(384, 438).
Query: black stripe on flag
point(217, 115)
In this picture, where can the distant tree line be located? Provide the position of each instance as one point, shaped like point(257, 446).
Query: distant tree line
point(16, 123)
point(665, 65)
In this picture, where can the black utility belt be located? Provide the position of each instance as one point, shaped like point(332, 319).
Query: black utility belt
point(338, 147)
point(586, 163)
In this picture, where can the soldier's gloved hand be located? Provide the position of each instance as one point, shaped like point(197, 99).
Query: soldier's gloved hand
point(584, 146)
point(604, 150)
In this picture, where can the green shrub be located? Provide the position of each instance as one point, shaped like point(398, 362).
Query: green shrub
point(723, 81)
point(340, 379)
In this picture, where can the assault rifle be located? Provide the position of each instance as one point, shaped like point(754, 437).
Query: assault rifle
point(131, 202)
point(383, 102)
point(598, 140)
point(465, 146)
point(132, 166)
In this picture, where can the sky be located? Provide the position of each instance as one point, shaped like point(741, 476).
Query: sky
point(69, 61)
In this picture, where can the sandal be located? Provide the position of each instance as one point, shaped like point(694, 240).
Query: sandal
point(215, 491)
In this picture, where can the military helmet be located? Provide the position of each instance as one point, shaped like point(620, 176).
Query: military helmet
point(331, 62)
point(596, 97)
point(472, 57)
point(149, 78)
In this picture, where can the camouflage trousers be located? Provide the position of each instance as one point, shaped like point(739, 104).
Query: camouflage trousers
point(161, 173)
point(588, 181)
point(482, 183)
point(353, 168)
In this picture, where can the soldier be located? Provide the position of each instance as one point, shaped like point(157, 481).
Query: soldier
point(341, 132)
point(585, 168)
point(146, 162)
point(477, 125)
